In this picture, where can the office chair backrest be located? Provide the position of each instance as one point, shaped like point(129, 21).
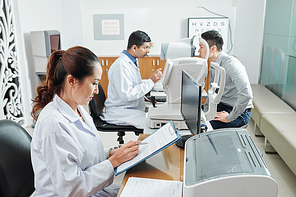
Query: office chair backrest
point(96, 108)
point(16, 171)
point(96, 105)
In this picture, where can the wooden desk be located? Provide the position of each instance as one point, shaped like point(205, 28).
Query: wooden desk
point(167, 165)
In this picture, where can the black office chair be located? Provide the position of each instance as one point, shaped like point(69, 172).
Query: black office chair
point(96, 108)
point(16, 171)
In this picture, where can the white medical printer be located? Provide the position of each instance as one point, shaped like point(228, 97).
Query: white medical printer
point(225, 163)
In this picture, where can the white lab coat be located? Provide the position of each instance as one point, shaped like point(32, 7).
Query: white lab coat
point(67, 154)
point(125, 104)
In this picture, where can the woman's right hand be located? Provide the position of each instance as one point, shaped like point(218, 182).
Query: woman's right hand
point(124, 153)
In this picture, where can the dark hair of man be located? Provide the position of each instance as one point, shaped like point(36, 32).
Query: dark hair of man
point(77, 61)
point(213, 37)
point(137, 38)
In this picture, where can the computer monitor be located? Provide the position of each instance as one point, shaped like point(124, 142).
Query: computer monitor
point(190, 106)
point(43, 44)
point(191, 102)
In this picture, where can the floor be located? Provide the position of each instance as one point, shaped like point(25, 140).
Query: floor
point(284, 177)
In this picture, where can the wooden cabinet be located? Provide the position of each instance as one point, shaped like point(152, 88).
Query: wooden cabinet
point(106, 62)
point(149, 64)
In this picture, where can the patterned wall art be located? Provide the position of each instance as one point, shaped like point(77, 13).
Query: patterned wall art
point(10, 90)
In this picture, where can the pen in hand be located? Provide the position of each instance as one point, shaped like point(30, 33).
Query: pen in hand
point(143, 143)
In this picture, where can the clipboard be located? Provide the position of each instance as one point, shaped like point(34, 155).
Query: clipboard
point(155, 142)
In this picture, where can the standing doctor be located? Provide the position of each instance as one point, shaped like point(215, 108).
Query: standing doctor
point(125, 104)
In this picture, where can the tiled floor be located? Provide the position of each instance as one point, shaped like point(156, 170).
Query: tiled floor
point(284, 177)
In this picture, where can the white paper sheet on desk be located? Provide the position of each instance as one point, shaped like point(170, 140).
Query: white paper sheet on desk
point(156, 142)
point(143, 187)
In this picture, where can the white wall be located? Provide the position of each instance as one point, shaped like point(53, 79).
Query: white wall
point(37, 15)
point(164, 21)
point(162, 24)
point(72, 25)
point(249, 35)
point(32, 15)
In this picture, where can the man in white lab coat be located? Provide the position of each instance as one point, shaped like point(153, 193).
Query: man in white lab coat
point(125, 104)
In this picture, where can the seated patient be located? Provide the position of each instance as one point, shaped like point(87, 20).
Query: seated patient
point(67, 152)
point(234, 109)
point(125, 104)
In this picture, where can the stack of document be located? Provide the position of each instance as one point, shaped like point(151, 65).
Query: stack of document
point(143, 187)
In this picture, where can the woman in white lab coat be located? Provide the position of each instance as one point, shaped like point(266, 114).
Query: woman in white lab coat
point(67, 153)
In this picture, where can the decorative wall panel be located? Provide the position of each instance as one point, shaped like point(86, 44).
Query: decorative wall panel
point(10, 90)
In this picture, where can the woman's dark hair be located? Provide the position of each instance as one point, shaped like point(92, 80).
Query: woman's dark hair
point(213, 37)
point(77, 61)
point(137, 38)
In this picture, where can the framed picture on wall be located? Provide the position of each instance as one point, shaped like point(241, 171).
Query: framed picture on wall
point(108, 26)
point(197, 26)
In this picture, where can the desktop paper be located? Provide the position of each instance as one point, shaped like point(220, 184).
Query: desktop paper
point(143, 187)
